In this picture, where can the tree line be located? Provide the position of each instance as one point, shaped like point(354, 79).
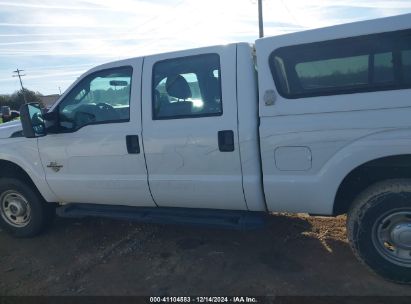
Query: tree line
point(15, 100)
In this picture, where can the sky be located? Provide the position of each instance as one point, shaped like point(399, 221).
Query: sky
point(55, 41)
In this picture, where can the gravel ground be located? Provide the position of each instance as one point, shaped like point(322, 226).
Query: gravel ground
point(293, 255)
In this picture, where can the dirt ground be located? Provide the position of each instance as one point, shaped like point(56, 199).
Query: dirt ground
point(293, 255)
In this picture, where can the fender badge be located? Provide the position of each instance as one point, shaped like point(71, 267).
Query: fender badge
point(55, 166)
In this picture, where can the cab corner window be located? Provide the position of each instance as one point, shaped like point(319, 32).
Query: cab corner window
point(187, 87)
point(102, 97)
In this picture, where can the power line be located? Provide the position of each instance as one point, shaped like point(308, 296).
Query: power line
point(17, 71)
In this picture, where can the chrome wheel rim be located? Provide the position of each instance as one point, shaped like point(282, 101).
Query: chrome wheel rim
point(15, 209)
point(392, 237)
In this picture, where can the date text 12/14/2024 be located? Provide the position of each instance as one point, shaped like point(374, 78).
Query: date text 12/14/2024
point(203, 299)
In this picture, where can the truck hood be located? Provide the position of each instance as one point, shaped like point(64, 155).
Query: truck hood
point(8, 128)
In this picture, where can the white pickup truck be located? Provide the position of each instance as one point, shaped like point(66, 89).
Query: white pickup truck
point(314, 122)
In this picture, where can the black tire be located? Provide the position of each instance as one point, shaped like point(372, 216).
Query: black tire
point(41, 213)
point(373, 216)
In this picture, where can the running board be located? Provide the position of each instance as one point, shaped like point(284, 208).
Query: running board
point(230, 219)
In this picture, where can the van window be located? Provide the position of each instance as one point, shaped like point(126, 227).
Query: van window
point(187, 87)
point(342, 66)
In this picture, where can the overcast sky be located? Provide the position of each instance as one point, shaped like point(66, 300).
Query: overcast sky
point(55, 41)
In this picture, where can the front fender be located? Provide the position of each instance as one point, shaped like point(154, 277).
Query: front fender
point(24, 153)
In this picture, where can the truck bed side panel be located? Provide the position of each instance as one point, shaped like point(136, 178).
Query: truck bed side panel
point(310, 142)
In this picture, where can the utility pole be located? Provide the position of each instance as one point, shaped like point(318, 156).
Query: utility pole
point(21, 83)
point(260, 18)
point(60, 91)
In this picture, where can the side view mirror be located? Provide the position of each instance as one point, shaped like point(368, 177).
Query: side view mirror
point(31, 117)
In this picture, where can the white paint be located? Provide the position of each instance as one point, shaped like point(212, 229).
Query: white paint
point(247, 99)
point(8, 128)
point(24, 153)
point(292, 158)
point(185, 166)
point(96, 166)
point(340, 130)
point(307, 145)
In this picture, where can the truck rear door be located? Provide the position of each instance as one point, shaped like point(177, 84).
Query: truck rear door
point(190, 131)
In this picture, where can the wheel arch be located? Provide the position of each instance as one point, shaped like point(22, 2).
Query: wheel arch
point(367, 174)
point(10, 169)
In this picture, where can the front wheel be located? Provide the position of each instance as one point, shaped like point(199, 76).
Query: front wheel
point(379, 229)
point(23, 212)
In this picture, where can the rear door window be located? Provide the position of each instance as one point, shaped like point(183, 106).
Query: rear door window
point(187, 87)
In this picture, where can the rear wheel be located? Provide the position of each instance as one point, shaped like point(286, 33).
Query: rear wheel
point(379, 229)
point(23, 212)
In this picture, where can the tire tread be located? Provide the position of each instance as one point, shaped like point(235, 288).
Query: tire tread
point(362, 203)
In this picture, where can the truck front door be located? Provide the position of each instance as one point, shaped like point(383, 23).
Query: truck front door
point(93, 156)
point(190, 131)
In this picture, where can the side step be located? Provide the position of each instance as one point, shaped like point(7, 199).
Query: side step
point(230, 219)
